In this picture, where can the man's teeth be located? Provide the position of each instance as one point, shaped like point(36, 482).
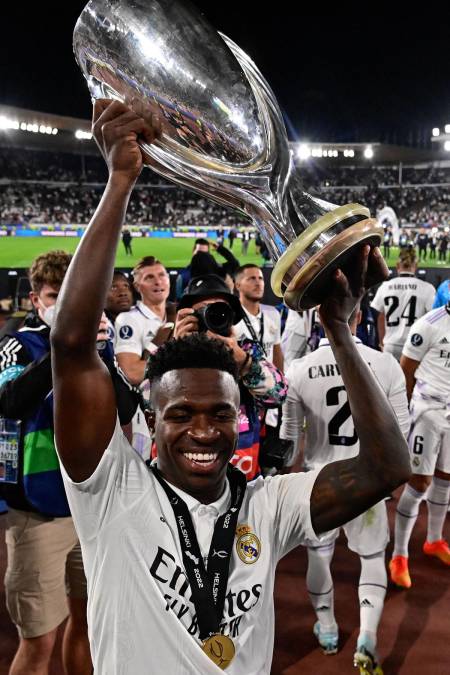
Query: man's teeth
point(201, 457)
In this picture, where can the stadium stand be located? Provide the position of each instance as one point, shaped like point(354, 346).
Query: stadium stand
point(47, 187)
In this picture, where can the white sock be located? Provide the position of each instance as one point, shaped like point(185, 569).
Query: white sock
point(437, 502)
point(371, 593)
point(320, 585)
point(405, 519)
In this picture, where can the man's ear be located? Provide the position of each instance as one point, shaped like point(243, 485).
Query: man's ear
point(150, 418)
point(34, 297)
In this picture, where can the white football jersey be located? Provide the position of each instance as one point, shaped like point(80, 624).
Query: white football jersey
point(317, 401)
point(402, 300)
point(136, 329)
point(429, 342)
point(297, 332)
point(140, 612)
point(271, 330)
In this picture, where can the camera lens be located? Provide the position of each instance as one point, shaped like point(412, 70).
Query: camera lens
point(219, 318)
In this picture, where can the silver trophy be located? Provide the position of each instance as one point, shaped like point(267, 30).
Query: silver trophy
point(223, 133)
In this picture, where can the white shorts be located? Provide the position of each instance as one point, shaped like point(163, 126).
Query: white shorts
point(366, 534)
point(429, 438)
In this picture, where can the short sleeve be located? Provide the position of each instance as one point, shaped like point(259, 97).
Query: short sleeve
point(397, 395)
point(129, 337)
point(378, 301)
point(292, 516)
point(293, 409)
point(120, 478)
point(419, 340)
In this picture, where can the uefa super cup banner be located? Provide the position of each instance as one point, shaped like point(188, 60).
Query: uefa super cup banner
point(223, 133)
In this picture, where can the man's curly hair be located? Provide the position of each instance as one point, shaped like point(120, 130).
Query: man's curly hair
point(193, 351)
point(49, 268)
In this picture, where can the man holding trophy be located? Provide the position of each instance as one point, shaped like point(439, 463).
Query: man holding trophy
point(180, 557)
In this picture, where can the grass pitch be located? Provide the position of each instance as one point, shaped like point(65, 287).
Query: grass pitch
point(20, 251)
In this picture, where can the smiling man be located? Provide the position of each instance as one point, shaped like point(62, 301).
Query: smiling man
point(142, 329)
point(180, 556)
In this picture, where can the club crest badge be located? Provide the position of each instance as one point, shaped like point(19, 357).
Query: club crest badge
point(248, 546)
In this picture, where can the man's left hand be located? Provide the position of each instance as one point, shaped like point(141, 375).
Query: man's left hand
point(346, 290)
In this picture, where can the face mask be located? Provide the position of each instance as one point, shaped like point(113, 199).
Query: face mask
point(47, 314)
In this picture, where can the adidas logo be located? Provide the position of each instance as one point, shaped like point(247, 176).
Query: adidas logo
point(366, 603)
point(444, 341)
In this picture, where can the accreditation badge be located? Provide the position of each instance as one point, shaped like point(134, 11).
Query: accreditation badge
point(9, 450)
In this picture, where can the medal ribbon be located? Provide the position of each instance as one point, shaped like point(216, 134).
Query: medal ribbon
point(209, 585)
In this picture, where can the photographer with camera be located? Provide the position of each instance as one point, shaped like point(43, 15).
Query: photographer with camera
point(209, 307)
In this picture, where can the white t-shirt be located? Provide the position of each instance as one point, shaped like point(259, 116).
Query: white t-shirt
point(402, 299)
point(317, 395)
point(136, 329)
point(297, 332)
point(140, 616)
point(429, 342)
point(272, 328)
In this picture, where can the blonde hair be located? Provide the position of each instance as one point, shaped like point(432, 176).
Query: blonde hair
point(407, 258)
point(146, 261)
point(49, 268)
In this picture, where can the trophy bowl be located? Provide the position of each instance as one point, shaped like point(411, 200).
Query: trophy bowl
point(223, 133)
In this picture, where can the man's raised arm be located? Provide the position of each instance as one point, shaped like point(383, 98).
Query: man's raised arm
point(85, 406)
point(349, 487)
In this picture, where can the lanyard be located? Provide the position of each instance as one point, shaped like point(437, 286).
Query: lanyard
point(208, 586)
point(252, 332)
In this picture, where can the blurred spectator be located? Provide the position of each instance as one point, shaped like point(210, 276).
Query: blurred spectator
point(126, 240)
point(422, 240)
point(44, 187)
point(119, 299)
point(203, 262)
point(442, 294)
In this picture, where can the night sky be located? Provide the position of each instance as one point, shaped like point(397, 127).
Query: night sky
point(344, 77)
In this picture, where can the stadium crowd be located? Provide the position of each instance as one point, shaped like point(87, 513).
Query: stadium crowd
point(41, 187)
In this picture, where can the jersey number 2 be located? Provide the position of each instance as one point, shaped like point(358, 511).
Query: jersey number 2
point(339, 418)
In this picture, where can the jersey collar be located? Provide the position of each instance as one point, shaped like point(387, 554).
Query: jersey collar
point(219, 506)
point(147, 312)
point(324, 342)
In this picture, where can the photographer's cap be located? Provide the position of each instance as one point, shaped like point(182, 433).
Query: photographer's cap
point(210, 286)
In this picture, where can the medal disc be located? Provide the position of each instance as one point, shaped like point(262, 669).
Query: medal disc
point(220, 649)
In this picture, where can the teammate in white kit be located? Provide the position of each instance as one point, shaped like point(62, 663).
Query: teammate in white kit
point(426, 364)
point(298, 339)
point(317, 401)
point(261, 323)
point(140, 331)
point(154, 607)
point(400, 301)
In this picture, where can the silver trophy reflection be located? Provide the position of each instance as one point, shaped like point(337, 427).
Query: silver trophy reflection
point(223, 133)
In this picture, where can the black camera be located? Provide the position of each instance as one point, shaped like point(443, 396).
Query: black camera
point(218, 317)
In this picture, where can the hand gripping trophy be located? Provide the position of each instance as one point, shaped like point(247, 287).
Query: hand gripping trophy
point(223, 133)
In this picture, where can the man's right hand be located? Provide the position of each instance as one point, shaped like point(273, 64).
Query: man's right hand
point(116, 129)
point(186, 323)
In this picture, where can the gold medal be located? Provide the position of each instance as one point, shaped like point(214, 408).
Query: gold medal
point(220, 649)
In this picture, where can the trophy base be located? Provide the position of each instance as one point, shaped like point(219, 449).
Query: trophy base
point(312, 282)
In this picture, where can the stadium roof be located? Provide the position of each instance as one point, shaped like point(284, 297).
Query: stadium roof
point(20, 127)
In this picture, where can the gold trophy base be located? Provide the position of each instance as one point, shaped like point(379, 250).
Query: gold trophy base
point(311, 283)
